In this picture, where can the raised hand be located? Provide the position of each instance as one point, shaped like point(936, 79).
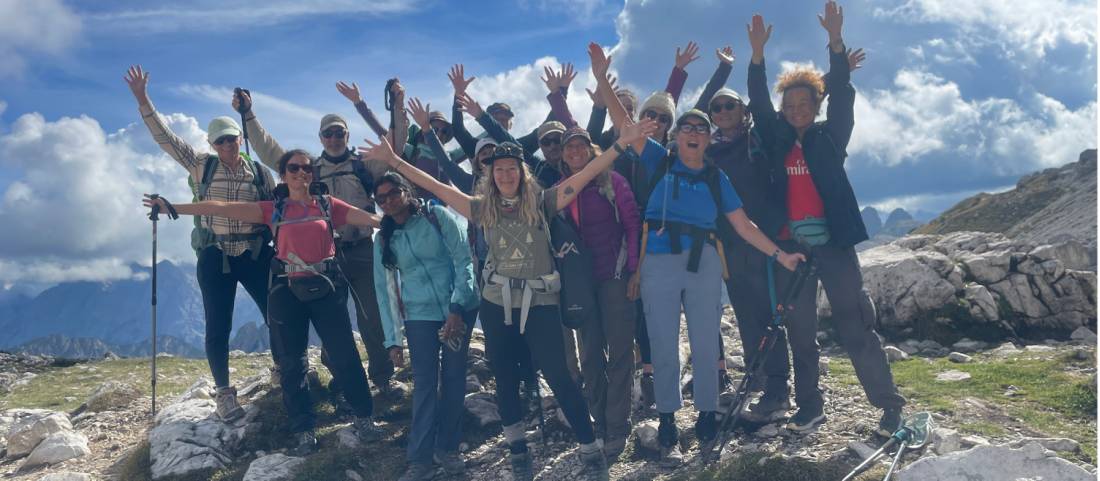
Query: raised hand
point(457, 75)
point(633, 132)
point(566, 76)
point(600, 61)
point(597, 101)
point(381, 151)
point(855, 59)
point(758, 36)
point(397, 91)
point(350, 92)
point(725, 55)
point(243, 100)
point(420, 114)
point(149, 201)
point(833, 20)
point(552, 81)
point(469, 105)
point(138, 80)
point(689, 54)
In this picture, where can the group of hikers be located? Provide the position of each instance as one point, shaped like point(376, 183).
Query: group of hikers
point(667, 206)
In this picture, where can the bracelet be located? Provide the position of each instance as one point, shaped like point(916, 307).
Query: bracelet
point(618, 148)
point(775, 255)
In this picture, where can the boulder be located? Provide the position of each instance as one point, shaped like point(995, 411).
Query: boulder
point(967, 345)
point(985, 268)
point(1016, 291)
point(483, 407)
point(57, 447)
point(952, 376)
point(273, 467)
point(187, 437)
point(110, 396)
point(647, 436)
point(903, 285)
point(995, 463)
point(894, 354)
point(980, 302)
point(1054, 444)
point(1071, 254)
point(25, 434)
point(347, 438)
point(1084, 335)
point(959, 357)
point(945, 441)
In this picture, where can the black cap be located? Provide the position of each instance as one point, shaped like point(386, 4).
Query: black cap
point(505, 150)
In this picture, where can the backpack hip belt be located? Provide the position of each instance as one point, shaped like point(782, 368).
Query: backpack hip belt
point(326, 267)
point(698, 235)
point(548, 284)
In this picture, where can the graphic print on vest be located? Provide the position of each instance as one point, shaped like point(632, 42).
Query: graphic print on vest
point(515, 247)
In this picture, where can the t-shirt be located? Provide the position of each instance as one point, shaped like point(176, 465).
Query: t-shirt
point(802, 198)
point(694, 204)
point(518, 250)
point(309, 239)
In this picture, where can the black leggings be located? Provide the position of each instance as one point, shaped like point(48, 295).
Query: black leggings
point(543, 337)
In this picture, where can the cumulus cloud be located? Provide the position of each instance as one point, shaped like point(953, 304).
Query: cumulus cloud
point(34, 28)
point(75, 211)
point(218, 15)
point(522, 89)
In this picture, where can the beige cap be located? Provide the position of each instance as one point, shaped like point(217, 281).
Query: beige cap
point(330, 120)
point(551, 127)
point(220, 127)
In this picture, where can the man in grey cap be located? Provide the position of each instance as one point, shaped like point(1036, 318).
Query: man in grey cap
point(351, 179)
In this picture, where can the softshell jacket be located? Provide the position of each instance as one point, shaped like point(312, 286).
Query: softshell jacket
point(434, 272)
point(823, 146)
point(604, 227)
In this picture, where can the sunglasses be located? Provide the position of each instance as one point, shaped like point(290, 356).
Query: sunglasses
point(225, 139)
point(697, 128)
point(328, 134)
point(294, 168)
point(716, 107)
point(662, 118)
point(442, 132)
point(382, 198)
point(550, 140)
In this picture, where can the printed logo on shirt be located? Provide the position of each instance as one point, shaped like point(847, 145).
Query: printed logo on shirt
point(529, 238)
point(517, 254)
point(799, 167)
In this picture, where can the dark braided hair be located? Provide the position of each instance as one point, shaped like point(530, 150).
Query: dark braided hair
point(389, 259)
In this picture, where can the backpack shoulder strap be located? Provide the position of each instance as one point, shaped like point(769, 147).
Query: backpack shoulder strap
point(714, 184)
point(662, 169)
point(208, 169)
point(362, 173)
point(432, 218)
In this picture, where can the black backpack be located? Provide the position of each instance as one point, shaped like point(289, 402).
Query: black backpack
point(574, 264)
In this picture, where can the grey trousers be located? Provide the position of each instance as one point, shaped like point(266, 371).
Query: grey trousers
point(854, 319)
point(607, 359)
point(666, 287)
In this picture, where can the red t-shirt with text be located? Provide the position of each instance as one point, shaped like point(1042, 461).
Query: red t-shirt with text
point(310, 240)
point(802, 198)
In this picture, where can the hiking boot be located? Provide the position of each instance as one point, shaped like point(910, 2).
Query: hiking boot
point(614, 446)
point(228, 409)
point(767, 409)
point(418, 472)
point(305, 443)
point(451, 462)
point(668, 437)
point(522, 467)
point(890, 422)
point(648, 397)
point(367, 430)
point(806, 419)
point(595, 461)
point(275, 377)
point(706, 428)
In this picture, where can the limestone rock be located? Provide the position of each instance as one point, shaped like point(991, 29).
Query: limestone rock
point(980, 302)
point(26, 433)
point(861, 449)
point(952, 376)
point(945, 441)
point(1053, 444)
point(187, 437)
point(994, 463)
point(894, 354)
point(959, 357)
point(66, 476)
point(647, 435)
point(1071, 254)
point(965, 345)
point(904, 285)
point(273, 467)
point(483, 407)
point(58, 447)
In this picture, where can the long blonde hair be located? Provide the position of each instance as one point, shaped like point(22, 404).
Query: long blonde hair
point(492, 199)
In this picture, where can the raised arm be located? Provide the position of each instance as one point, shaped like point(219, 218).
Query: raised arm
point(571, 186)
point(457, 75)
point(382, 151)
point(760, 105)
point(266, 147)
point(678, 77)
point(619, 118)
point(599, 111)
point(558, 84)
point(840, 113)
point(718, 78)
point(351, 92)
point(400, 132)
point(464, 180)
point(177, 148)
point(243, 211)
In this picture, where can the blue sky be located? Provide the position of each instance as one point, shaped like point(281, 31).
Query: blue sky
point(956, 97)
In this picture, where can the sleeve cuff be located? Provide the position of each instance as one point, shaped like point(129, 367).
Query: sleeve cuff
point(455, 308)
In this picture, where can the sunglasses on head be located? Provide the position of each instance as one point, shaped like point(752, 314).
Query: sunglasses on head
point(328, 134)
point(383, 197)
point(717, 107)
point(225, 139)
point(294, 168)
point(688, 128)
point(550, 140)
point(653, 115)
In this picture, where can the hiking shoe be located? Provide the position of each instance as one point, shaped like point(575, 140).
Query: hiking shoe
point(706, 428)
point(228, 409)
point(767, 409)
point(671, 456)
point(614, 446)
point(522, 467)
point(418, 472)
point(890, 422)
point(451, 462)
point(668, 437)
point(275, 377)
point(648, 397)
point(367, 430)
point(806, 419)
point(595, 461)
point(305, 443)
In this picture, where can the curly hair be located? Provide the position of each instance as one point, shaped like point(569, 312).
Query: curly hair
point(804, 77)
point(285, 159)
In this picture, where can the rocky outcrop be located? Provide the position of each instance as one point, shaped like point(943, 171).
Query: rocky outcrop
point(994, 463)
point(32, 427)
point(57, 447)
point(187, 436)
point(273, 467)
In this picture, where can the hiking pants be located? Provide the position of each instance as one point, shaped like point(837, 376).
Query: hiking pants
point(329, 316)
point(572, 359)
point(641, 334)
point(666, 286)
point(543, 337)
point(219, 290)
point(747, 288)
point(358, 266)
point(607, 359)
point(439, 388)
point(854, 320)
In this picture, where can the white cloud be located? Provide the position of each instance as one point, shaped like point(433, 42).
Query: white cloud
point(215, 14)
point(522, 89)
point(77, 206)
point(926, 114)
point(579, 10)
point(1025, 27)
point(30, 28)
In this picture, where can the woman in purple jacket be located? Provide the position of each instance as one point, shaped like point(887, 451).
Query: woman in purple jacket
point(610, 225)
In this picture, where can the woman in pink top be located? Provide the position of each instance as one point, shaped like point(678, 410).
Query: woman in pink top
point(307, 287)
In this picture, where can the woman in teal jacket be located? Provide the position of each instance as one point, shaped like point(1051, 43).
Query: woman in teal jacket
point(425, 280)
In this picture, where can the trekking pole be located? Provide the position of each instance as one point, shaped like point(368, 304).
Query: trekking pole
point(154, 215)
point(767, 343)
point(913, 433)
point(239, 92)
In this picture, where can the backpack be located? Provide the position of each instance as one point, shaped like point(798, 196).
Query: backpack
point(573, 261)
point(359, 170)
point(711, 177)
point(321, 284)
point(202, 237)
